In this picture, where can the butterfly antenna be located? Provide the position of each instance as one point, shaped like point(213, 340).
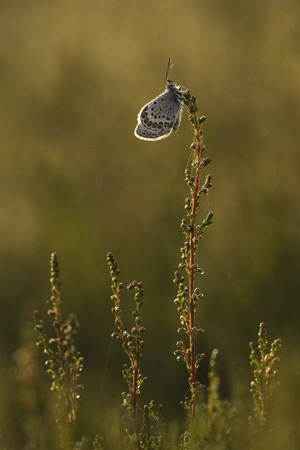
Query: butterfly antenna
point(169, 68)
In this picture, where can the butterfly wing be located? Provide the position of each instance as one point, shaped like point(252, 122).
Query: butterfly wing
point(158, 118)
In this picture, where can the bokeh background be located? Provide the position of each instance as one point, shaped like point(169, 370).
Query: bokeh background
point(75, 180)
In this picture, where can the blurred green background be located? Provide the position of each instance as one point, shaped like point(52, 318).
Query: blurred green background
point(75, 180)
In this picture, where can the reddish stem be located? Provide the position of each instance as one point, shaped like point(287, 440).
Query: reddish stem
point(192, 274)
point(58, 327)
point(66, 390)
point(120, 323)
point(135, 383)
point(264, 400)
point(135, 366)
point(134, 403)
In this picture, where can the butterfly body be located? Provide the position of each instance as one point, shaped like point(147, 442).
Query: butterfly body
point(158, 118)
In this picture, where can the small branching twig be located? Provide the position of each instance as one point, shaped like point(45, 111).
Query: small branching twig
point(144, 431)
point(132, 344)
point(98, 443)
point(211, 428)
point(188, 295)
point(152, 428)
point(219, 412)
point(264, 383)
point(63, 362)
point(213, 401)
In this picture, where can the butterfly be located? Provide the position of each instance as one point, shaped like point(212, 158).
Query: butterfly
point(158, 118)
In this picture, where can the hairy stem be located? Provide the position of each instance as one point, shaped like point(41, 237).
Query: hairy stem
point(191, 268)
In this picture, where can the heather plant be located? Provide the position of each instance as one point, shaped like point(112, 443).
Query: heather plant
point(211, 428)
point(264, 359)
point(209, 425)
point(189, 294)
point(63, 361)
point(143, 430)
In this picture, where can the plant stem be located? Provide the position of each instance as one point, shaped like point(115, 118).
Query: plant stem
point(264, 383)
point(135, 365)
point(66, 389)
point(192, 261)
point(134, 404)
point(132, 345)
